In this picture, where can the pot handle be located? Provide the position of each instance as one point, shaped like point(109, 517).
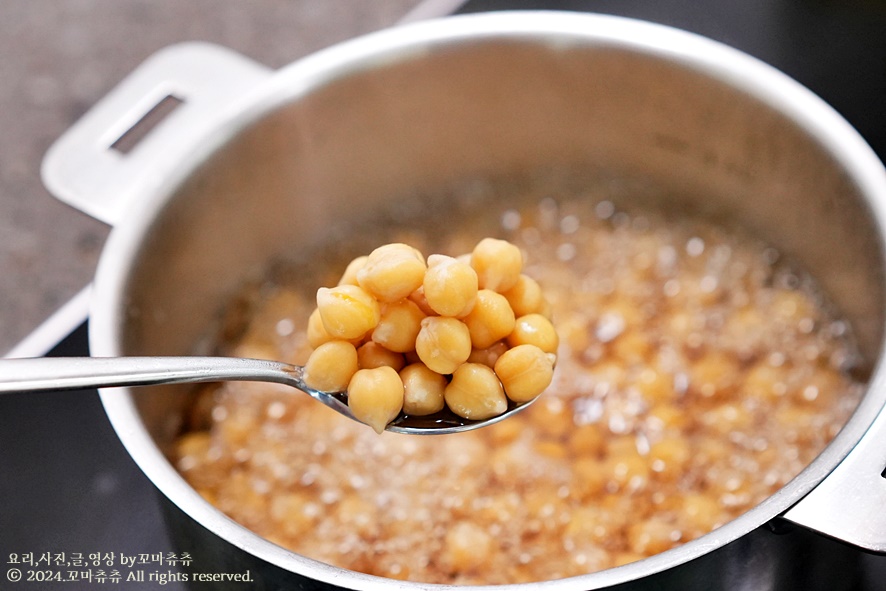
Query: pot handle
point(850, 503)
point(109, 157)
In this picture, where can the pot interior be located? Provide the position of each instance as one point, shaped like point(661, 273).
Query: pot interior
point(504, 111)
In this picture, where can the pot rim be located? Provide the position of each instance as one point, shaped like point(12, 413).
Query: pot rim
point(698, 53)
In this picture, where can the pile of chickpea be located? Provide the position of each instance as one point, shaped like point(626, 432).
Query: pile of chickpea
point(401, 334)
point(698, 372)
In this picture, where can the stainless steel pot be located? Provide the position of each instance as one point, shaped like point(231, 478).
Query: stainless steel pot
point(252, 164)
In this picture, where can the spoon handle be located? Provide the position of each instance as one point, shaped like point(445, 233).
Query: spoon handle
point(75, 373)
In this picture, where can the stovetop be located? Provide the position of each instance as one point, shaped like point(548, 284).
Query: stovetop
point(68, 486)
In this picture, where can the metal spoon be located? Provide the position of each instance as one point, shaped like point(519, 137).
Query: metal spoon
point(75, 373)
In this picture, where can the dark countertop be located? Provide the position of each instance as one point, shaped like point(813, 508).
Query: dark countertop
point(57, 58)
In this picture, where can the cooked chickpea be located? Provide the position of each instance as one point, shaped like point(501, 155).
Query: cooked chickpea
point(534, 329)
point(689, 388)
point(765, 382)
point(349, 277)
point(316, 333)
point(652, 536)
point(347, 311)
point(655, 385)
point(498, 264)
point(418, 298)
point(587, 440)
point(396, 309)
point(491, 320)
point(443, 343)
point(392, 272)
point(288, 510)
point(525, 371)
point(331, 366)
point(398, 326)
point(526, 296)
point(701, 512)
point(669, 457)
point(375, 396)
point(467, 547)
point(475, 393)
point(450, 286)
point(423, 390)
point(371, 355)
point(715, 374)
point(589, 477)
point(489, 355)
point(190, 446)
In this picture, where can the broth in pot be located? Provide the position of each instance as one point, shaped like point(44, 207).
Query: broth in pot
point(698, 372)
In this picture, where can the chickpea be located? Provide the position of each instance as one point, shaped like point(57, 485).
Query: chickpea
point(288, 510)
point(670, 457)
point(821, 387)
point(347, 311)
point(586, 440)
point(489, 355)
point(375, 396)
point(588, 477)
point(652, 536)
point(628, 470)
point(765, 382)
point(505, 432)
point(549, 418)
point(423, 390)
point(331, 366)
point(695, 379)
point(632, 347)
point(655, 385)
point(715, 374)
point(316, 332)
point(475, 393)
point(526, 296)
point(371, 354)
point(392, 272)
point(418, 298)
point(349, 277)
point(450, 286)
point(701, 512)
point(670, 416)
point(443, 343)
point(792, 306)
point(190, 446)
point(534, 329)
point(491, 319)
point(467, 547)
point(398, 326)
point(525, 371)
point(498, 264)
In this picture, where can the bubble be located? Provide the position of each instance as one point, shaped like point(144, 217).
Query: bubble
point(810, 393)
point(511, 220)
point(570, 224)
point(671, 288)
point(566, 252)
point(604, 210)
point(285, 327)
point(695, 246)
point(610, 326)
point(276, 410)
point(708, 284)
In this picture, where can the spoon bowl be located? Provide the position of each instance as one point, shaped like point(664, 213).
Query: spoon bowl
point(75, 373)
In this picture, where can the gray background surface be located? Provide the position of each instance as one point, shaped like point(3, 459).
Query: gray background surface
point(58, 57)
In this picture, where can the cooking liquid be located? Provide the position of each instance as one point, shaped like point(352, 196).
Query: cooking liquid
point(697, 374)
